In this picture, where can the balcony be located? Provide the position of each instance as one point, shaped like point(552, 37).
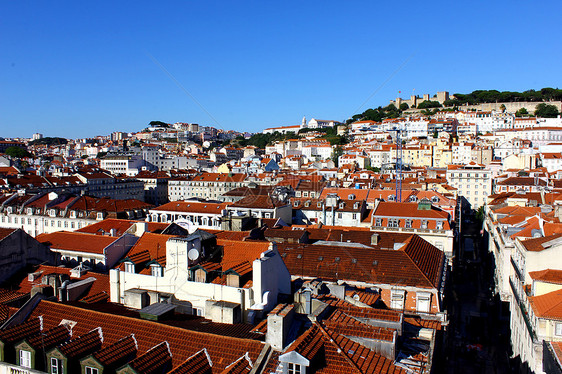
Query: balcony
point(524, 312)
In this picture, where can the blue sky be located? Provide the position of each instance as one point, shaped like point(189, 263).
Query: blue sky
point(73, 69)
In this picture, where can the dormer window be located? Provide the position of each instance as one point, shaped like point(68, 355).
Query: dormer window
point(294, 368)
point(305, 194)
point(378, 222)
point(391, 198)
point(413, 199)
point(434, 199)
point(296, 203)
point(99, 215)
point(342, 205)
point(307, 204)
point(439, 225)
point(319, 204)
point(29, 210)
point(52, 213)
point(408, 223)
point(424, 224)
point(156, 270)
point(72, 214)
point(25, 359)
point(356, 206)
point(129, 267)
point(351, 197)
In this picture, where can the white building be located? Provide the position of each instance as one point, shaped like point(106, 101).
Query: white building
point(473, 182)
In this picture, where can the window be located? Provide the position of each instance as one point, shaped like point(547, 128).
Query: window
point(439, 225)
point(378, 222)
point(397, 299)
point(393, 222)
point(423, 302)
point(129, 267)
point(55, 365)
point(424, 224)
point(91, 370)
point(155, 270)
point(293, 368)
point(558, 329)
point(408, 223)
point(25, 359)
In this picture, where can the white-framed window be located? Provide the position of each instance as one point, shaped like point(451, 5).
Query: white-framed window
point(55, 365)
point(397, 299)
point(408, 223)
point(129, 267)
point(378, 222)
point(439, 225)
point(197, 311)
point(423, 302)
point(393, 222)
point(293, 368)
point(558, 329)
point(25, 359)
point(424, 224)
point(91, 370)
point(155, 270)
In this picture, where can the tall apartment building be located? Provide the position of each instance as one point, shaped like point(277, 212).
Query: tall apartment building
point(472, 181)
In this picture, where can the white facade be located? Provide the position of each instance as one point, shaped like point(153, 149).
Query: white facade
point(473, 182)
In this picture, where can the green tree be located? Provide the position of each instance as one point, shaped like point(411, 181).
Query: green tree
point(17, 152)
point(158, 124)
point(480, 214)
point(521, 112)
point(426, 104)
point(503, 108)
point(546, 111)
point(404, 106)
point(336, 153)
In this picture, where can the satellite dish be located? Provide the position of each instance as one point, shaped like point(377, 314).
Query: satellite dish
point(186, 224)
point(206, 144)
point(193, 254)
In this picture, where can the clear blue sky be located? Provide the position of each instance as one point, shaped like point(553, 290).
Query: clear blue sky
point(79, 69)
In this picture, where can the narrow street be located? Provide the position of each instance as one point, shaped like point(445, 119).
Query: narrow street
point(477, 339)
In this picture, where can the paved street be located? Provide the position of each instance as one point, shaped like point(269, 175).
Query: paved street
point(477, 340)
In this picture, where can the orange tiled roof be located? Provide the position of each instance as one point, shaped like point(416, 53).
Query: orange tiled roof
point(183, 343)
point(76, 241)
point(548, 305)
point(192, 207)
point(547, 275)
point(416, 264)
point(536, 244)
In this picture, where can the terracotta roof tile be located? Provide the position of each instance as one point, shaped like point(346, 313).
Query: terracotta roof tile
point(76, 241)
point(539, 244)
point(155, 360)
point(183, 343)
point(84, 345)
point(50, 338)
point(547, 275)
point(548, 305)
point(196, 364)
point(16, 333)
point(117, 351)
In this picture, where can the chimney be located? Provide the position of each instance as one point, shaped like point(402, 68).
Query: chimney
point(375, 238)
point(279, 323)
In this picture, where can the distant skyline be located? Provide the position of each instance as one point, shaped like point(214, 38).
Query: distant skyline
point(75, 69)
